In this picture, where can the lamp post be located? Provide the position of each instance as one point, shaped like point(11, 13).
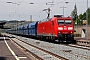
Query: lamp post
point(19, 15)
point(9, 2)
point(30, 18)
point(13, 3)
point(87, 22)
point(64, 7)
point(31, 3)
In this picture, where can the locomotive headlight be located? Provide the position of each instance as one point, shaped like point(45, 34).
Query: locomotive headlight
point(71, 32)
point(60, 28)
point(59, 32)
point(70, 28)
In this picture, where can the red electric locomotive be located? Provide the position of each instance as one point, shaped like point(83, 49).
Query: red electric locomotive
point(57, 28)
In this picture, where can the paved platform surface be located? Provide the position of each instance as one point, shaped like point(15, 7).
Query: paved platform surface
point(6, 54)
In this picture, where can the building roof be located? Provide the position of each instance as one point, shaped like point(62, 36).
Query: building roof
point(2, 23)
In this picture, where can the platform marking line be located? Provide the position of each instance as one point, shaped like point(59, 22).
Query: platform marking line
point(22, 57)
point(11, 50)
point(19, 48)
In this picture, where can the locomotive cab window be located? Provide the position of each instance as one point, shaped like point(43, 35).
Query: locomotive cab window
point(60, 22)
point(64, 22)
point(68, 22)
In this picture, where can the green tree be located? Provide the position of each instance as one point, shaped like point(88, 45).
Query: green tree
point(74, 13)
point(80, 16)
point(83, 16)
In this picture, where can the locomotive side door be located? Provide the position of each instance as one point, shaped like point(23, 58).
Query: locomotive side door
point(52, 27)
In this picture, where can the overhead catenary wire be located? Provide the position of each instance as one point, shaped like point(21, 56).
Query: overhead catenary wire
point(64, 2)
point(49, 7)
point(18, 4)
point(37, 11)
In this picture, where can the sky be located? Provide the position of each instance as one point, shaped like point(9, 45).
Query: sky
point(22, 9)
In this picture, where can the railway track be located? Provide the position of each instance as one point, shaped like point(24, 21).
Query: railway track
point(68, 51)
point(79, 46)
point(37, 52)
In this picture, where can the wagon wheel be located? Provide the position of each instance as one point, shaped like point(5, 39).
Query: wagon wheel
point(53, 39)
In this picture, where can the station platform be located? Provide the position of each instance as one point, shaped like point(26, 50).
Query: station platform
point(8, 51)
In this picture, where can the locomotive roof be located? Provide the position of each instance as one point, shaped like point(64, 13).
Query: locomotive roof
point(58, 17)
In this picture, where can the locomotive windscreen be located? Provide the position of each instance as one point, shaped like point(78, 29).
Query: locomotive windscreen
point(60, 21)
point(64, 22)
point(68, 22)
